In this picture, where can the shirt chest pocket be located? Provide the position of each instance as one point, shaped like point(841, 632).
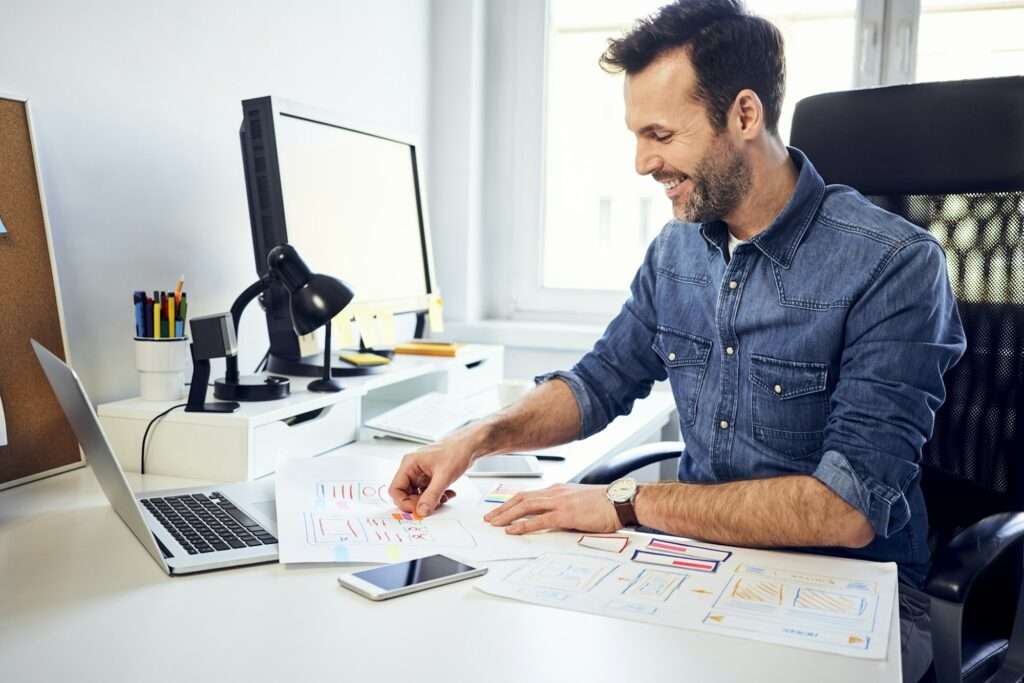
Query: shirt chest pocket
point(685, 357)
point(789, 404)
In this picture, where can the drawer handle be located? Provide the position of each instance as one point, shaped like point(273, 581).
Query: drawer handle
point(309, 416)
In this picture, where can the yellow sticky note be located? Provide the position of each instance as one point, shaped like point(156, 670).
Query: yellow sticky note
point(435, 311)
point(386, 327)
point(367, 323)
point(341, 329)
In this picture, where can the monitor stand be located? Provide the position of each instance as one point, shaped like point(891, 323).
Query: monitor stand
point(313, 366)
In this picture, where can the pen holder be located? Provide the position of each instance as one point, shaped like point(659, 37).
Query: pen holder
point(161, 366)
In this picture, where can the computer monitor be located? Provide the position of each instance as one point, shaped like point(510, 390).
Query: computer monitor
point(350, 201)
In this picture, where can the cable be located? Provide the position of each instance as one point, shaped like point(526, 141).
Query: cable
point(262, 365)
point(142, 459)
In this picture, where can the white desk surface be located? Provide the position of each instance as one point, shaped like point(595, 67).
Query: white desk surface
point(81, 600)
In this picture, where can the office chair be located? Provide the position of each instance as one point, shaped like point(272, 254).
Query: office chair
point(948, 157)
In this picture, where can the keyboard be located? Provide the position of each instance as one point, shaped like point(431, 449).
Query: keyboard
point(203, 523)
point(429, 418)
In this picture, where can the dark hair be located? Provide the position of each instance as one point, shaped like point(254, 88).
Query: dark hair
point(730, 50)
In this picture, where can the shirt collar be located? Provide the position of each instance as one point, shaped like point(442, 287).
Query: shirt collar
point(780, 240)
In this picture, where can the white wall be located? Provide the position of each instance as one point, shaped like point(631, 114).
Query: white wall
point(136, 112)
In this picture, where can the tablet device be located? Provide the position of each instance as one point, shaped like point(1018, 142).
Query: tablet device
point(505, 466)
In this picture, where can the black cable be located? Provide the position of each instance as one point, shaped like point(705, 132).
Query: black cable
point(142, 459)
point(262, 365)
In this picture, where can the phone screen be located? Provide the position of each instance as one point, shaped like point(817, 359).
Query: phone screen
point(405, 574)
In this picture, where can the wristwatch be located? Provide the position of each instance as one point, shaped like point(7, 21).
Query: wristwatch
point(622, 493)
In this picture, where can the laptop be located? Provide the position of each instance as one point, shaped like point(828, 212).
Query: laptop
point(185, 530)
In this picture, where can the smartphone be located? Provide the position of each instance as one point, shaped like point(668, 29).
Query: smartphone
point(390, 581)
point(506, 466)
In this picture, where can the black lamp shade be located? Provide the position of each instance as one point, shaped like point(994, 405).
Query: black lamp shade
point(317, 302)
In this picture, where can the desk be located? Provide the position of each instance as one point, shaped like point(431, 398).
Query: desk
point(81, 600)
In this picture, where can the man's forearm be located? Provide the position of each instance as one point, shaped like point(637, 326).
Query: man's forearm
point(547, 416)
point(781, 511)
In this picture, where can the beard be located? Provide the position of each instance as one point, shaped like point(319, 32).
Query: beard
point(720, 182)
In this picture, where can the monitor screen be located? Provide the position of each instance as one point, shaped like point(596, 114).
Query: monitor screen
point(352, 210)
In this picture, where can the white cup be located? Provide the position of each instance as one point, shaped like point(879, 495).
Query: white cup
point(161, 366)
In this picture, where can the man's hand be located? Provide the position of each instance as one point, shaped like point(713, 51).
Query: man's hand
point(562, 506)
point(422, 481)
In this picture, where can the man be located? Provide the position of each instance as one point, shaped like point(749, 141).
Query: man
point(804, 331)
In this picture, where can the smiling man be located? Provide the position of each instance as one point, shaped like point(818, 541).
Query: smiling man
point(804, 332)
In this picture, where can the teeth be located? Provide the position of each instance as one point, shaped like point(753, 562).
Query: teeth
point(669, 184)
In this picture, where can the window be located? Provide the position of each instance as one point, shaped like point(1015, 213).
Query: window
point(569, 217)
point(969, 39)
point(599, 215)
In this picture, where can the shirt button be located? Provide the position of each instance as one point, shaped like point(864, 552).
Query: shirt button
point(723, 424)
point(778, 388)
point(729, 350)
point(671, 356)
point(733, 284)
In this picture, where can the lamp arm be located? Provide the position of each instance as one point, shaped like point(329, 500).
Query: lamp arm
point(243, 300)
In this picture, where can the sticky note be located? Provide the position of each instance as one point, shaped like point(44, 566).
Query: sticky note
point(386, 327)
point(609, 543)
point(341, 329)
point(367, 323)
point(309, 345)
point(435, 312)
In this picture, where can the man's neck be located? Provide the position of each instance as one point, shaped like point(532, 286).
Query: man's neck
point(773, 181)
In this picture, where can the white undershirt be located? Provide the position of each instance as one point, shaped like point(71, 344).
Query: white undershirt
point(733, 243)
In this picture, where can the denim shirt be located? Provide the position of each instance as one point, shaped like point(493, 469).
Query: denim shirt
point(817, 349)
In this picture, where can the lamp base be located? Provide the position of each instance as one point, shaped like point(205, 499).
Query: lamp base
point(252, 388)
point(215, 407)
point(326, 386)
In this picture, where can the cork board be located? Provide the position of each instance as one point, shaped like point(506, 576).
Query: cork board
point(39, 439)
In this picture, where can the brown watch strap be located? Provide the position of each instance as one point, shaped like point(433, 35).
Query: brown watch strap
point(626, 513)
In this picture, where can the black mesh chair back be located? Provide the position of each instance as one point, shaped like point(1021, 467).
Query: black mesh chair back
point(949, 157)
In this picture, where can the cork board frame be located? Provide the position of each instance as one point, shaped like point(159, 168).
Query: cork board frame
point(40, 441)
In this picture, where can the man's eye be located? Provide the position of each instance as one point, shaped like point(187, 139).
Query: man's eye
point(662, 137)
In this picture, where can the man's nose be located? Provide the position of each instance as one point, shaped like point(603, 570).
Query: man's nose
point(646, 162)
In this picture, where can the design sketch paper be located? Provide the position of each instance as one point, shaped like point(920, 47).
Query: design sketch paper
point(336, 508)
point(780, 604)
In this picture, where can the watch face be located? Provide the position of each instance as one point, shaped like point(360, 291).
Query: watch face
point(622, 490)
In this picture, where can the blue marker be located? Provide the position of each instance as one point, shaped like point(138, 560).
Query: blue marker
point(140, 326)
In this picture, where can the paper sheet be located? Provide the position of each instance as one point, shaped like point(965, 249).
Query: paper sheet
point(336, 508)
point(805, 601)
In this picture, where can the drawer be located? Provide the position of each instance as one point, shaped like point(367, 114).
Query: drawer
point(302, 436)
point(473, 377)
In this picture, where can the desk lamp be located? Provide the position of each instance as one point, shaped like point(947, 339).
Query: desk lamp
point(314, 300)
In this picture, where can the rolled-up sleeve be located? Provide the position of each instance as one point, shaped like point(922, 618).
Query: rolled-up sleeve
point(622, 365)
point(902, 335)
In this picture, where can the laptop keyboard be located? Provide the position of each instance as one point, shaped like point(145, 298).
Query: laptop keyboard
point(207, 523)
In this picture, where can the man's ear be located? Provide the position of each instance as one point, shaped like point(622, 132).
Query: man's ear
point(746, 115)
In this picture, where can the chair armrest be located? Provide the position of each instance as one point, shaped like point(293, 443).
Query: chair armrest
point(956, 566)
point(621, 464)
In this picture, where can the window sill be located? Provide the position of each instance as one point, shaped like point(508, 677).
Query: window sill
point(529, 335)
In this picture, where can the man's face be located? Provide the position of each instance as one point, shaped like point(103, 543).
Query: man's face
point(702, 170)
